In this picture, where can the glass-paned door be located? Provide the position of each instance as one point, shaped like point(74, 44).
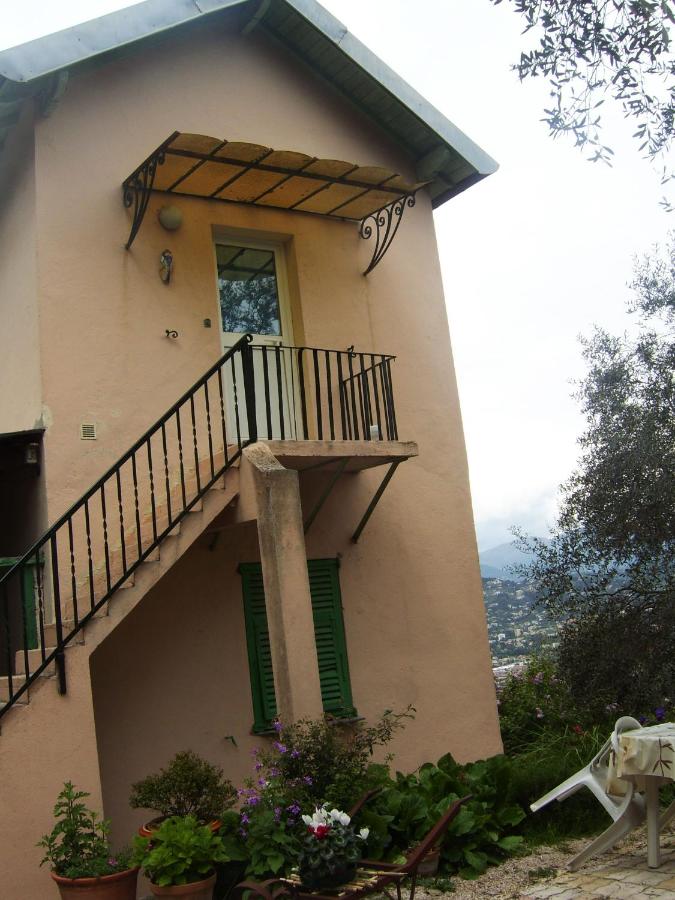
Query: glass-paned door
point(253, 298)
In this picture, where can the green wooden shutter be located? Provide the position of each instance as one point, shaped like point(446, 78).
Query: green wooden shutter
point(258, 643)
point(329, 633)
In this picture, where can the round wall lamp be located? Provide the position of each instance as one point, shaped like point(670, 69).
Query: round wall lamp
point(170, 217)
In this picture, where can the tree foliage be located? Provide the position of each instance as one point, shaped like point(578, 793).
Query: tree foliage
point(590, 50)
point(609, 568)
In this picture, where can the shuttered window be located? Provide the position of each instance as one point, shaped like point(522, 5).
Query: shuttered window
point(329, 633)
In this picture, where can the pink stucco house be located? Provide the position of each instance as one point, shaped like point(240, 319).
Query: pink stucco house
point(233, 479)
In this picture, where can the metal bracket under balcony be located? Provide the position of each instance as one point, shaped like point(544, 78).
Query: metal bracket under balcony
point(208, 168)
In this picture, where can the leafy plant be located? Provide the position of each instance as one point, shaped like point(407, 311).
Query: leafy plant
point(321, 761)
point(479, 836)
point(180, 851)
point(188, 786)
point(330, 849)
point(77, 846)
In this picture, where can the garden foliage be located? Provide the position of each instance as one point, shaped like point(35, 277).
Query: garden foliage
point(77, 846)
point(180, 851)
point(188, 786)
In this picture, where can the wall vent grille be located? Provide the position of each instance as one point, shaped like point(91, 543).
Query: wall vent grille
point(88, 431)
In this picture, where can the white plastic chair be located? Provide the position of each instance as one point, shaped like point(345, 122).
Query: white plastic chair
point(626, 809)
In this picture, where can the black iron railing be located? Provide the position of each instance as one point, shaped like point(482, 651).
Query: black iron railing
point(252, 392)
point(315, 394)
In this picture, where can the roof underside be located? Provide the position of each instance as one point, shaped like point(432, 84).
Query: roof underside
point(444, 157)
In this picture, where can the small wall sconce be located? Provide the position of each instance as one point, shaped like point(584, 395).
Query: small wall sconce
point(170, 217)
point(165, 265)
point(171, 333)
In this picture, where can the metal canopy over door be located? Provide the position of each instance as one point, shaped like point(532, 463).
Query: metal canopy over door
point(253, 299)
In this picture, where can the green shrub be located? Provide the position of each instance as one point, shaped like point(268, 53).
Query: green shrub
point(481, 834)
point(180, 851)
point(188, 786)
point(77, 846)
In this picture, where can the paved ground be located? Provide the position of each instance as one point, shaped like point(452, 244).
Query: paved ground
point(622, 872)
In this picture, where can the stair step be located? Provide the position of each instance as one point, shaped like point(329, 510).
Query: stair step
point(34, 660)
point(4, 689)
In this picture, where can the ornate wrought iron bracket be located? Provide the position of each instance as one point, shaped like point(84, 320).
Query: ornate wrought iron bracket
point(385, 224)
point(137, 188)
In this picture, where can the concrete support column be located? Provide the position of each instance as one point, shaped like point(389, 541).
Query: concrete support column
point(275, 493)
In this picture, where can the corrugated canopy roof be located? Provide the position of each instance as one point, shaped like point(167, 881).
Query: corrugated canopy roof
point(234, 172)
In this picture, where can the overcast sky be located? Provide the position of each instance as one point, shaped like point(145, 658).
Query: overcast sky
point(531, 256)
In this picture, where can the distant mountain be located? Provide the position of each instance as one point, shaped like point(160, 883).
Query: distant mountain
point(495, 562)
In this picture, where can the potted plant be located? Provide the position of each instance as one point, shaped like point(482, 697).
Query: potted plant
point(188, 786)
point(331, 849)
point(180, 858)
point(79, 854)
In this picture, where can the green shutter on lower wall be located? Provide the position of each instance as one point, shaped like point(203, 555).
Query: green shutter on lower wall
point(329, 633)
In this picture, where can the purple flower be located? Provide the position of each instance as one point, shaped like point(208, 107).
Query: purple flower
point(308, 779)
point(642, 719)
point(274, 772)
point(258, 766)
point(660, 713)
point(243, 832)
point(253, 800)
point(538, 678)
point(112, 862)
point(245, 819)
point(295, 754)
point(294, 809)
point(282, 748)
point(255, 751)
point(278, 727)
point(277, 813)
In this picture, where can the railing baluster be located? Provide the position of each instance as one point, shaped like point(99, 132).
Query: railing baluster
point(151, 475)
point(317, 395)
point(266, 387)
point(194, 441)
point(105, 537)
point(329, 388)
point(90, 561)
point(166, 476)
point(39, 577)
point(343, 399)
point(248, 370)
point(303, 402)
point(394, 426)
point(208, 426)
point(24, 623)
point(364, 399)
point(236, 403)
point(73, 579)
point(56, 592)
point(376, 395)
point(222, 414)
point(121, 511)
point(385, 398)
point(8, 642)
point(280, 395)
point(354, 431)
point(180, 457)
point(139, 536)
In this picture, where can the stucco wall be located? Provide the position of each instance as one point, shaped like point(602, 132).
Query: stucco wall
point(413, 604)
point(20, 396)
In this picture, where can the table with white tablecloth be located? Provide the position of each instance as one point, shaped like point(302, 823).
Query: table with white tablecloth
point(646, 756)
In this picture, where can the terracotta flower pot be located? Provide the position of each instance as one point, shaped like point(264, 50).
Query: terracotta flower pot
point(120, 886)
point(152, 826)
point(197, 890)
point(429, 863)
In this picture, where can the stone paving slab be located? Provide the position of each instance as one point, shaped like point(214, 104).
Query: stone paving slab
point(624, 876)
